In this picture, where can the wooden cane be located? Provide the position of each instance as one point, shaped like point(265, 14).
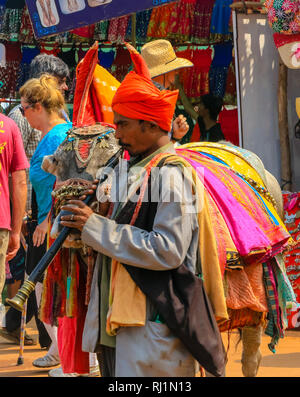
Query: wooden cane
point(20, 360)
point(22, 335)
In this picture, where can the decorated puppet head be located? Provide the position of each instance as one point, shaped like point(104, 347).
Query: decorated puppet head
point(284, 19)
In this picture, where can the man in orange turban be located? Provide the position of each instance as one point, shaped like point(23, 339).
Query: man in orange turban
point(140, 316)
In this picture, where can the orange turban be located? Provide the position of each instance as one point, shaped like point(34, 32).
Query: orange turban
point(138, 98)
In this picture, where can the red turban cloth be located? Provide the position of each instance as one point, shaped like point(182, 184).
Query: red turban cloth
point(138, 98)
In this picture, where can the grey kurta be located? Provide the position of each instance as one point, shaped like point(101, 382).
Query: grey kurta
point(151, 350)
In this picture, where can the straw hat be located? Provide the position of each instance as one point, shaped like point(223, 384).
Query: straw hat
point(160, 58)
point(288, 55)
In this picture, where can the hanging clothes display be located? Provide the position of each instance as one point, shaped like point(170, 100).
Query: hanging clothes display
point(181, 20)
point(117, 29)
point(142, 22)
point(121, 63)
point(28, 53)
point(230, 97)
point(83, 34)
point(201, 25)
point(106, 58)
point(291, 202)
point(198, 81)
point(2, 12)
point(101, 30)
point(220, 19)
point(26, 31)
point(219, 68)
point(12, 18)
point(51, 50)
point(159, 22)
point(9, 73)
point(185, 73)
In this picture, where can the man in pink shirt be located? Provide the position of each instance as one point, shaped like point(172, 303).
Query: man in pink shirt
point(13, 191)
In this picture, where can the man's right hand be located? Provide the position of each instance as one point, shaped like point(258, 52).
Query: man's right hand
point(101, 205)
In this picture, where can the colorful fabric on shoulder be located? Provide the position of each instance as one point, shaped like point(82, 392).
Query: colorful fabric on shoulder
point(249, 235)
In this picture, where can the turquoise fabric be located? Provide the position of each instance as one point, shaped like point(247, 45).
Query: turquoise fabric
point(42, 181)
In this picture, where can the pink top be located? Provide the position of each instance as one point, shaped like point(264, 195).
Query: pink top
point(12, 158)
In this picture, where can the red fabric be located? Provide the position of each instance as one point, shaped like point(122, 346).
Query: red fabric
point(195, 80)
point(281, 39)
point(12, 158)
point(195, 134)
point(69, 337)
point(97, 107)
point(86, 31)
point(139, 63)
point(291, 202)
point(83, 111)
point(229, 125)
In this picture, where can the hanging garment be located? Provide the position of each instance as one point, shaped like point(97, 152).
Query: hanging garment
point(106, 58)
point(26, 30)
point(9, 73)
point(11, 24)
point(198, 82)
point(291, 202)
point(230, 90)
point(83, 34)
point(181, 20)
point(27, 56)
point(220, 19)
point(142, 22)
point(159, 21)
point(101, 30)
point(201, 25)
point(121, 64)
point(185, 73)
point(219, 69)
point(117, 29)
point(51, 50)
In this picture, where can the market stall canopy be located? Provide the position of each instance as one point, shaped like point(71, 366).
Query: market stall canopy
point(57, 16)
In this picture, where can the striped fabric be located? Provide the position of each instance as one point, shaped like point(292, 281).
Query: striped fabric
point(274, 325)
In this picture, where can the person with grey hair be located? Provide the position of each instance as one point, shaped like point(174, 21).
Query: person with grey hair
point(41, 64)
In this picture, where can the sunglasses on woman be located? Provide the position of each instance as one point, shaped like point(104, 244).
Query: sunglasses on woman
point(23, 108)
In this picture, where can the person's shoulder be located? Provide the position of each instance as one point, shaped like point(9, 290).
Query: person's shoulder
point(7, 122)
point(15, 113)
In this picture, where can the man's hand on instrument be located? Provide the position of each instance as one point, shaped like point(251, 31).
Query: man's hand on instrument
point(80, 214)
point(91, 190)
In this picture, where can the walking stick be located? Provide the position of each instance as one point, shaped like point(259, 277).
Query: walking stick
point(22, 334)
point(23, 317)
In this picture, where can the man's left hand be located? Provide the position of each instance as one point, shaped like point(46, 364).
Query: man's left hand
point(80, 214)
point(180, 127)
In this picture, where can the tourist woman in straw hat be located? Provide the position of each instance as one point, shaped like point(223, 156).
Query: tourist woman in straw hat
point(163, 65)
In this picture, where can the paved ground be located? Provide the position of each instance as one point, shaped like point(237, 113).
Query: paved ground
point(285, 363)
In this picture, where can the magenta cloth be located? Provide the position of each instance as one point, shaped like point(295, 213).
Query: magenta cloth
point(245, 232)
